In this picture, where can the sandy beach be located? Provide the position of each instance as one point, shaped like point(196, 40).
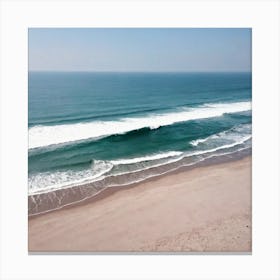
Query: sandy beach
point(207, 209)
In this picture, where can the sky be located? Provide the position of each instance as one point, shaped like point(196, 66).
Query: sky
point(140, 49)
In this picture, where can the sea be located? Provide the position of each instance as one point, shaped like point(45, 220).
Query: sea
point(89, 131)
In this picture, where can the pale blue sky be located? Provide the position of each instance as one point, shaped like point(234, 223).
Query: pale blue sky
point(140, 49)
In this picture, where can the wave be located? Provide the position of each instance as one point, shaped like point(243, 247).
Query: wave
point(147, 158)
point(182, 155)
point(234, 133)
point(237, 133)
point(87, 117)
point(42, 136)
point(49, 181)
point(113, 169)
point(221, 147)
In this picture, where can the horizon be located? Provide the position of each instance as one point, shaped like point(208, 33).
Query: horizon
point(127, 72)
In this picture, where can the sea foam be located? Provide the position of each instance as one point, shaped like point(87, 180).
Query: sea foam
point(147, 158)
point(235, 134)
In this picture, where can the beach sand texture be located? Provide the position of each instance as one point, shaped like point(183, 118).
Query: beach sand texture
point(207, 209)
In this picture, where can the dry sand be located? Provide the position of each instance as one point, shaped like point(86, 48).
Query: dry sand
point(207, 209)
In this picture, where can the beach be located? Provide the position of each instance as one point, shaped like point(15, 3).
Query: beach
point(206, 209)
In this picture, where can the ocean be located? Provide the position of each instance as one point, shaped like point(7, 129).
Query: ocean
point(89, 131)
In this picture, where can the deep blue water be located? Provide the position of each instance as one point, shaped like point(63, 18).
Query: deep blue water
point(88, 126)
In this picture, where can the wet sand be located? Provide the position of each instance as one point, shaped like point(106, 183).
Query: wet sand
point(206, 209)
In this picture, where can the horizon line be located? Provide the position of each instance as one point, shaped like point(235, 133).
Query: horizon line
point(142, 71)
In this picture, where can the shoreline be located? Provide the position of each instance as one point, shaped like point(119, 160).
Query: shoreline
point(186, 193)
point(103, 193)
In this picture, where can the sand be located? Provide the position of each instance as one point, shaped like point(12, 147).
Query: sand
point(207, 209)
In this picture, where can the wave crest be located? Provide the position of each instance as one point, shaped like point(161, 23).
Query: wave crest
point(42, 136)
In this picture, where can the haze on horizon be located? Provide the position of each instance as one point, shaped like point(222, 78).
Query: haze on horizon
point(140, 49)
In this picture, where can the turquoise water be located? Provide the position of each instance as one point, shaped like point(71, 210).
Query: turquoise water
point(98, 127)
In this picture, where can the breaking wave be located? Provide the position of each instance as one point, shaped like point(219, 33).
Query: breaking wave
point(42, 136)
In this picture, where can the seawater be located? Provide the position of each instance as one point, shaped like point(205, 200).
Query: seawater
point(98, 130)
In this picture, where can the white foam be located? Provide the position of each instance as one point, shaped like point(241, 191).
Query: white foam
point(244, 139)
point(49, 181)
point(234, 134)
point(198, 141)
point(41, 136)
point(147, 158)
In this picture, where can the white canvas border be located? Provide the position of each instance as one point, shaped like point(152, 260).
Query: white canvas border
point(261, 16)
